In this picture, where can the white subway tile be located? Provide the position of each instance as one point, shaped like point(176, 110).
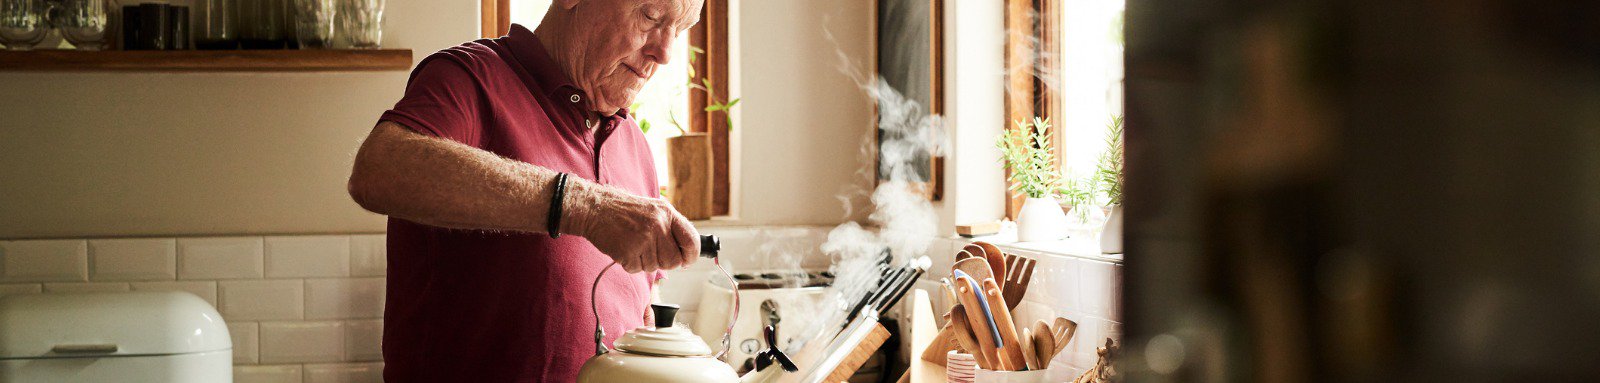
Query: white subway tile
point(20, 288)
point(302, 342)
point(92, 287)
point(133, 259)
point(344, 373)
point(261, 300)
point(308, 256)
point(44, 261)
point(344, 298)
point(364, 340)
point(267, 374)
point(369, 255)
point(220, 258)
point(1097, 288)
point(246, 342)
point(1055, 281)
point(1081, 348)
point(206, 290)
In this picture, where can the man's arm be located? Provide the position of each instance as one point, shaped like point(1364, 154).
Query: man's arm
point(444, 183)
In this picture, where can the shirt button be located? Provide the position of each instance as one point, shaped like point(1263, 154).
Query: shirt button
point(575, 98)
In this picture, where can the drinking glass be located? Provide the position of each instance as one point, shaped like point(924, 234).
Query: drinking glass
point(263, 28)
point(361, 21)
point(82, 23)
point(22, 23)
point(313, 25)
point(215, 24)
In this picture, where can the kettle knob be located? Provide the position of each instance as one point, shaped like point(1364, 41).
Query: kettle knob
point(710, 246)
point(664, 314)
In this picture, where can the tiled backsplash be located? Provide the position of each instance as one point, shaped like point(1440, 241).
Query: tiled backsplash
point(309, 308)
point(299, 308)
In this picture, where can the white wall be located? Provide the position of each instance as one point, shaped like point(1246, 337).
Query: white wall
point(160, 154)
point(974, 112)
point(139, 154)
point(802, 120)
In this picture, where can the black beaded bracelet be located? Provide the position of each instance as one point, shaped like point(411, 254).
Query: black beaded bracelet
point(553, 223)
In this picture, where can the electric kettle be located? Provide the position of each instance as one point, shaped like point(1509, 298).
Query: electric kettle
point(666, 353)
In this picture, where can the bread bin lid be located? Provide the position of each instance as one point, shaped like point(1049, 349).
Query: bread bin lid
point(77, 325)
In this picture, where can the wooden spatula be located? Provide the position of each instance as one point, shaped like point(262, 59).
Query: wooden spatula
point(977, 323)
point(1063, 330)
point(1019, 273)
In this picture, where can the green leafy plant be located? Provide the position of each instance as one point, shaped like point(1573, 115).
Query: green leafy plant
point(1108, 171)
point(1030, 156)
point(713, 104)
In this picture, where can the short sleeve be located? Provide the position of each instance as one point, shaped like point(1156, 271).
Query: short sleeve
point(443, 100)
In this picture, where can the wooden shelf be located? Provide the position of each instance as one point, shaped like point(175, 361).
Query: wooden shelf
point(329, 60)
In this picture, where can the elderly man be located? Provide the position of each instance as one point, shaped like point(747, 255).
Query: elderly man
point(512, 174)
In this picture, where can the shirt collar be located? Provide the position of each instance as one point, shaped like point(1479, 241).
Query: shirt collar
point(546, 73)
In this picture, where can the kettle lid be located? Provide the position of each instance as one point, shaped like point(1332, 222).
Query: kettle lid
point(663, 339)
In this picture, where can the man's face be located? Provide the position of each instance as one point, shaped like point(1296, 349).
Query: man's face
point(622, 42)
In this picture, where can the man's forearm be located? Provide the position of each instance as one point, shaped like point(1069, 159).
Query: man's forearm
point(439, 182)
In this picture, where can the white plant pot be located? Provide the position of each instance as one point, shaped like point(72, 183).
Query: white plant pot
point(1041, 219)
point(1111, 236)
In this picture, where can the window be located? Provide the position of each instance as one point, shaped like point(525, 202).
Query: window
point(667, 102)
point(1066, 65)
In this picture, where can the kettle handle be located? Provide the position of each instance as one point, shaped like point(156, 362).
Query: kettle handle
point(710, 246)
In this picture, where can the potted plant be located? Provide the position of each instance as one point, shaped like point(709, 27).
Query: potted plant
point(1030, 156)
point(1108, 175)
point(689, 162)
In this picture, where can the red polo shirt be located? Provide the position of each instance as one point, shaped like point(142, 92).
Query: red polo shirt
point(477, 306)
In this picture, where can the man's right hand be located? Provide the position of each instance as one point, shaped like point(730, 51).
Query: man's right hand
point(641, 234)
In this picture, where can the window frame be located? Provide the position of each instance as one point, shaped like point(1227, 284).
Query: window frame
point(1028, 94)
point(710, 35)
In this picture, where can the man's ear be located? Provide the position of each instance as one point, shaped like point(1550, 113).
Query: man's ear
point(568, 4)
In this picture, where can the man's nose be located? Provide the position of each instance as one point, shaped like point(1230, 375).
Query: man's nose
point(657, 48)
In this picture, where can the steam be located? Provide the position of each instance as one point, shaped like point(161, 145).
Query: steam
point(902, 221)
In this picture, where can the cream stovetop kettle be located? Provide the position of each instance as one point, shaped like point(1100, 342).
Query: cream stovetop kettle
point(668, 354)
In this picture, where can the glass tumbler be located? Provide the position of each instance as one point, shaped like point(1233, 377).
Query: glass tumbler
point(263, 24)
point(22, 23)
point(82, 23)
point(216, 25)
point(313, 23)
point(361, 21)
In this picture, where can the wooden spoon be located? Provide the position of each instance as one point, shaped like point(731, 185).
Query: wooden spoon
point(996, 258)
point(1044, 342)
point(1029, 355)
point(974, 249)
point(963, 334)
point(978, 322)
point(975, 267)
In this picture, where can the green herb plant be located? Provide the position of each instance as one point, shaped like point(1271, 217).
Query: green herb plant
point(1108, 170)
point(713, 104)
point(1030, 156)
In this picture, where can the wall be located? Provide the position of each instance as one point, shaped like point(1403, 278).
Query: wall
point(142, 154)
point(803, 120)
point(156, 154)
